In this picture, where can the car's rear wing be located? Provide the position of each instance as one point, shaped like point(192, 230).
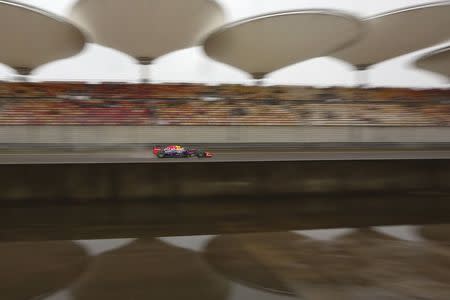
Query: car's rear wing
point(156, 149)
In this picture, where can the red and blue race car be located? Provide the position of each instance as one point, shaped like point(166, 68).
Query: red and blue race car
point(177, 151)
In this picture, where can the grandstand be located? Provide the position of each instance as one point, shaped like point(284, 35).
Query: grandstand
point(28, 106)
point(76, 159)
point(194, 104)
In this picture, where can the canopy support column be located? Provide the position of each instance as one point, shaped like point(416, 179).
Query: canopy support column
point(145, 67)
point(22, 73)
point(362, 76)
point(258, 78)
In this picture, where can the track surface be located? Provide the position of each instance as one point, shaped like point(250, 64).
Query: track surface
point(145, 156)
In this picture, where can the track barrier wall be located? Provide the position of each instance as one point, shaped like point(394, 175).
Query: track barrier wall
point(174, 180)
point(84, 201)
point(73, 135)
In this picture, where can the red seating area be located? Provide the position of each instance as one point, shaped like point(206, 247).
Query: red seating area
point(102, 91)
point(191, 104)
point(73, 112)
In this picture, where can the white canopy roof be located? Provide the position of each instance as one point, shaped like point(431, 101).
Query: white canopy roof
point(30, 37)
point(399, 32)
point(264, 44)
point(147, 29)
point(436, 61)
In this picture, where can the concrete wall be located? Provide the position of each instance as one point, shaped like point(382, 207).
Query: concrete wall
point(220, 179)
point(42, 202)
point(219, 134)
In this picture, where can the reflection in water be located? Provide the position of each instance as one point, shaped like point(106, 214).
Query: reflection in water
point(284, 262)
point(357, 264)
point(437, 233)
point(240, 257)
point(364, 264)
point(150, 269)
point(30, 270)
point(411, 269)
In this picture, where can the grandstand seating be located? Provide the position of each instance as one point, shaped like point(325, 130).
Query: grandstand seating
point(191, 104)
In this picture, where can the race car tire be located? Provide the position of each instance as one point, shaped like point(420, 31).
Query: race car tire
point(161, 155)
point(201, 154)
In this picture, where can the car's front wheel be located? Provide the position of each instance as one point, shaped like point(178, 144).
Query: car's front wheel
point(201, 154)
point(161, 155)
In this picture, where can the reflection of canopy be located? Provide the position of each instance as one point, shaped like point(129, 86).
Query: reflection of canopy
point(264, 44)
point(407, 268)
point(233, 257)
point(437, 62)
point(29, 270)
point(438, 233)
point(283, 262)
point(147, 29)
point(366, 237)
point(363, 261)
point(150, 269)
point(30, 37)
point(399, 32)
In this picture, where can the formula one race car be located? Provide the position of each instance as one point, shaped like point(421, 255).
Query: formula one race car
point(176, 151)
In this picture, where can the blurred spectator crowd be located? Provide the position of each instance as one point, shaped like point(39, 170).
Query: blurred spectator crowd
point(195, 104)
